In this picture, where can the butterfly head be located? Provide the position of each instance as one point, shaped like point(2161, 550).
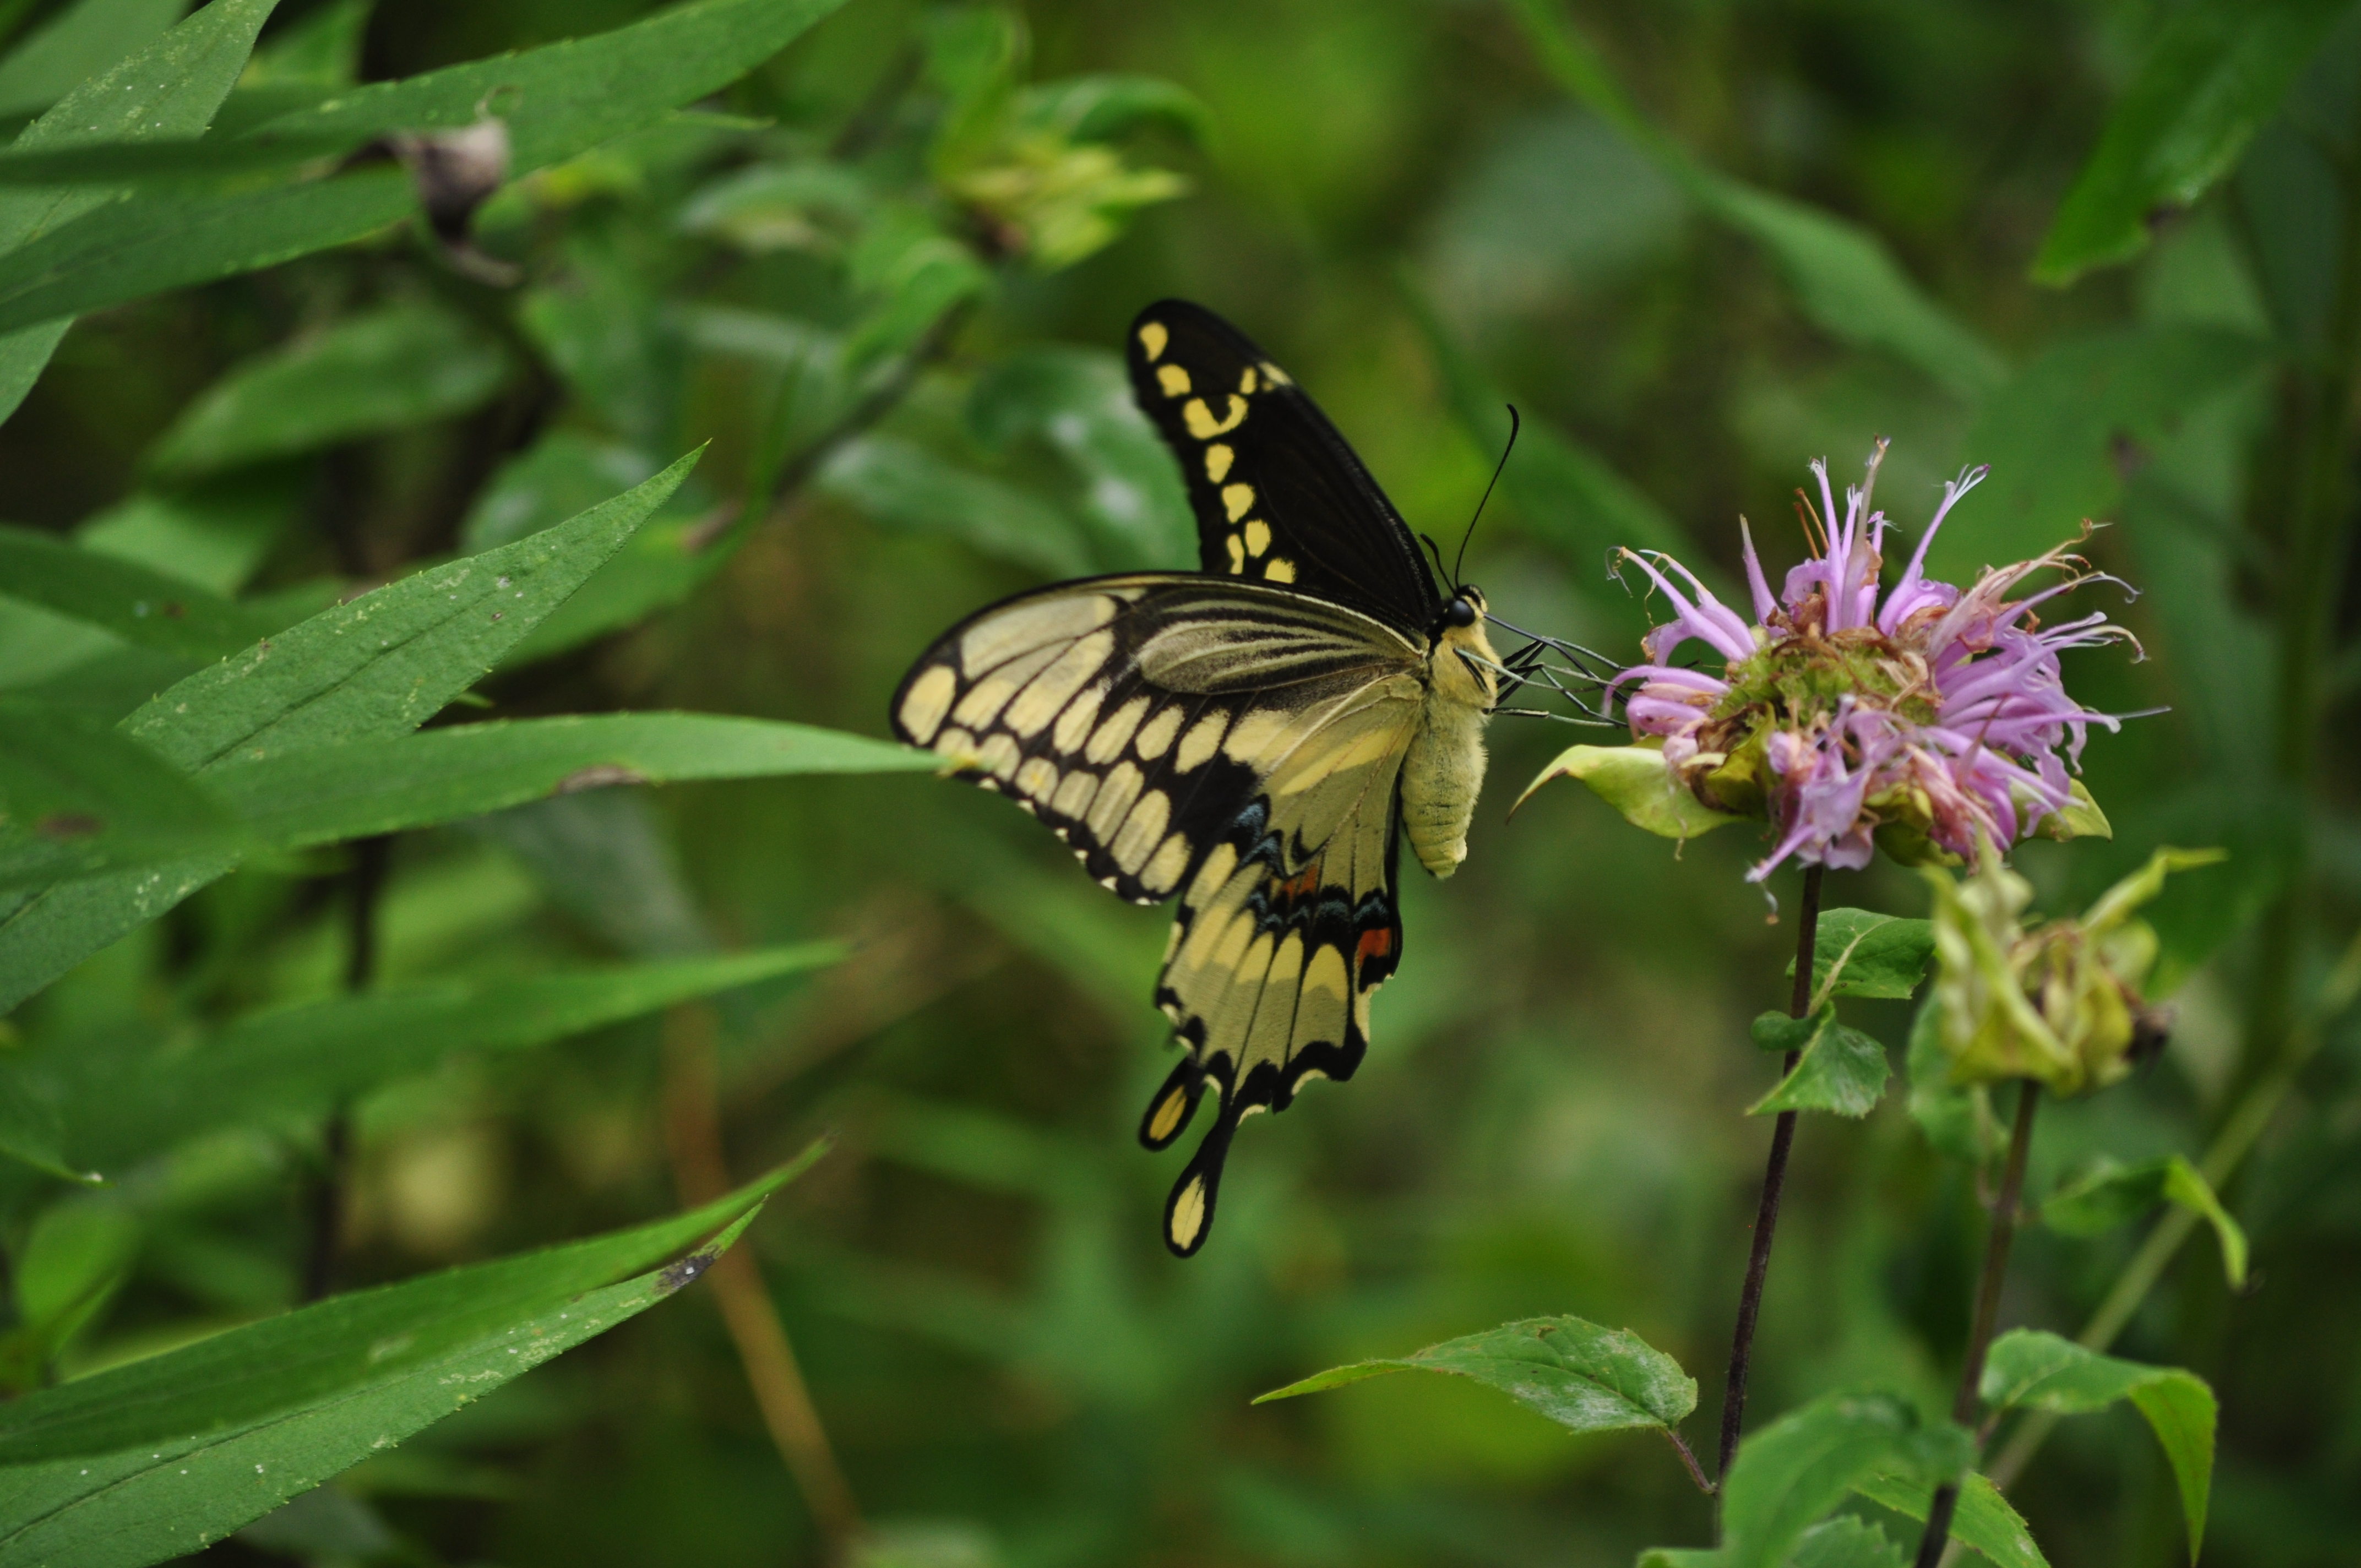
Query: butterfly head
point(1464, 608)
point(1463, 657)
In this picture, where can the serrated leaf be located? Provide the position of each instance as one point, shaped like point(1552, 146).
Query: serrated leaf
point(171, 88)
point(297, 1063)
point(384, 368)
point(158, 1458)
point(1842, 1072)
point(1583, 1376)
point(2028, 1369)
point(383, 665)
point(1856, 952)
point(1790, 1474)
point(1634, 781)
point(2217, 70)
point(2110, 1194)
point(1982, 1521)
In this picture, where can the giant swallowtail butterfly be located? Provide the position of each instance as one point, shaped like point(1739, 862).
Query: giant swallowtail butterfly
point(1257, 737)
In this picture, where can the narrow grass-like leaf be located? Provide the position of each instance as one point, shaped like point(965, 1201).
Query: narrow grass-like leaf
point(397, 366)
point(150, 608)
point(77, 795)
point(169, 89)
point(302, 1062)
point(1856, 952)
point(76, 45)
point(1982, 1521)
point(2217, 71)
point(2111, 1194)
point(383, 665)
point(2028, 1369)
point(159, 1458)
point(1792, 1473)
point(1842, 1070)
point(1583, 1376)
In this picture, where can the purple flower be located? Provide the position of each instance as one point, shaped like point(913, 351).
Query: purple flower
point(1913, 720)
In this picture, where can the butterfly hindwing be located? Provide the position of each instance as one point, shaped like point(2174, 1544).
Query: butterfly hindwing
point(1278, 496)
point(1237, 745)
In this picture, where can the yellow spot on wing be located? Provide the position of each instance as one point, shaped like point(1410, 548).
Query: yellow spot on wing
point(1167, 1114)
point(1164, 870)
point(1199, 743)
point(1279, 571)
point(1277, 376)
point(1189, 1214)
point(1246, 379)
point(1237, 500)
point(1173, 380)
point(1202, 423)
point(1157, 734)
point(1218, 458)
point(1257, 537)
point(1237, 554)
point(927, 702)
point(1111, 736)
point(1073, 797)
point(1153, 338)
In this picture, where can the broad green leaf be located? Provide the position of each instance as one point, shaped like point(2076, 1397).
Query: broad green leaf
point(1956, 1118)
point(171, 88)
point(149, 608)
point(1077, 402)
point(77, 795)
point(1842, 1070)
point(1844, 277)
point(2063, 434)
point(1095, 108)
point(74, 46)
point(1790, 1474)
point(557, 101)
point(1982, 1521)
point(1633, 779)
point(156, 1459)
point(298, 1062)
point(2216, 71)
point(395, 365)
point(383, 665)
point(1856, 952)
point(1846, 1542)
point(1583, 1376)
point(901, 485)
point(366, 787)
point(215, 535)
point(2111, 1194)
point(2028, 1369)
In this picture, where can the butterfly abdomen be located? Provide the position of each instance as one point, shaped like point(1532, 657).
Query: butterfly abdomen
point(1444, 770)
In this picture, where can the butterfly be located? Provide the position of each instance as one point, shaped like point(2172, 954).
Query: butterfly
point(1257, 737)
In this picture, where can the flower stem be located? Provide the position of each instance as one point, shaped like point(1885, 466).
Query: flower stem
point(326, 1204)
point(1969, 1400)
point(1774, 1181)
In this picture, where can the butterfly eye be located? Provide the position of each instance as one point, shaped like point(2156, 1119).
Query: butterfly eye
point(1459, 613)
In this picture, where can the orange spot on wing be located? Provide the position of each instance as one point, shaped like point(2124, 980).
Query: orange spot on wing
point(1376, 944)
point(1302, 885)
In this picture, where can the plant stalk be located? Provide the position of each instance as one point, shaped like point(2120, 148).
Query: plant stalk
point(1775, 1182)
point(1968, 1402)
point(365, 884)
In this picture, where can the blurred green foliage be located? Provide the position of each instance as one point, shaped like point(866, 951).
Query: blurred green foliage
point(787, 338)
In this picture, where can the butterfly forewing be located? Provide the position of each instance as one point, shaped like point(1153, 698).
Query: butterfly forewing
point(1231, 742)
point(1279, 497)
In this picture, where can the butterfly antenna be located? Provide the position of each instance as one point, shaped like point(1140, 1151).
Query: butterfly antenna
point(1515, 424)
point(1434, 550)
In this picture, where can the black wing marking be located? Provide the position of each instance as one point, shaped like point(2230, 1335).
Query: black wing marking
point(1279, 496)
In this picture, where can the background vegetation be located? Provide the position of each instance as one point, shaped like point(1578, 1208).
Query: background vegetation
point(879, 279)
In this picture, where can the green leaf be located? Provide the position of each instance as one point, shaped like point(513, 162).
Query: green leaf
point(1077, 402)
point(1843, 276)
point(366, 787)
point(396, 365)
point(297, 1063)
point(1099, 108)
point(1633, 779)
point(155, 1459)
point(557, 101)
point(2109, 1195)
point(74, 46)
point(1956, 1118)
point(903, 485)
point(1842, 1070)
point(76, 794)
point(1982, 1521)
point(383, 665)
point(1779, 1033)
point(1790, 1474)
point(67, 1268)
point(2028, 1369)
point(1846, 1542)
point(2216, 71)
point(149, 609)
point(171, 88)
point(1583, 1376)
point(1856, 952)
point(2063, 434)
